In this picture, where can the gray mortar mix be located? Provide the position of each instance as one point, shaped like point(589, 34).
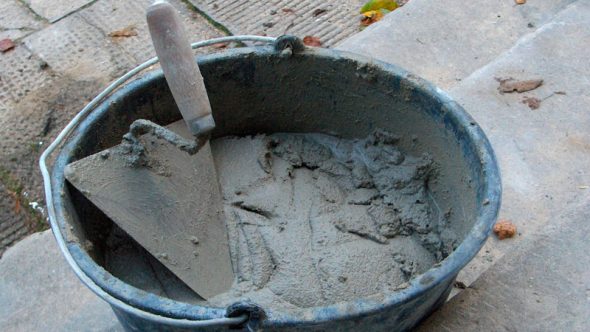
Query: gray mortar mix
point(315, 220)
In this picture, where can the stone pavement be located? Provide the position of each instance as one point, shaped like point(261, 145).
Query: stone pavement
point(537, 281)
point(63, 58)
point(543, 285)
point(329, 20)
point(39, 291)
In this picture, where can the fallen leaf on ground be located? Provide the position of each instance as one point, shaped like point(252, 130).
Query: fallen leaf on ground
point(508, 85)
point(17, 206)
point(219, 45)
point(125, 32)
point(16, 202)
point(288, 10)
point(532, 102)
point(378, 4)
point(312, 41)
point(6, 44)
point(520, 2)
point(319, 12)
point(371, 17)
point(504, 229)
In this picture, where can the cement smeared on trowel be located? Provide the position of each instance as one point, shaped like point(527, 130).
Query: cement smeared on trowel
point(315, 220)
point(154, 190)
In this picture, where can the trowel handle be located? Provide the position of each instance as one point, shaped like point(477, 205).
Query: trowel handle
point(180, 69)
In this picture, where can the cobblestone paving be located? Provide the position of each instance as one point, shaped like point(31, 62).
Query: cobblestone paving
point(63, 57)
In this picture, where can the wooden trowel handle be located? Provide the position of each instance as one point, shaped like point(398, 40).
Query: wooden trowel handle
point(180, 68)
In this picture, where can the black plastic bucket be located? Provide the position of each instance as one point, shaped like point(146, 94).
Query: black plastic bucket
point(268, 89)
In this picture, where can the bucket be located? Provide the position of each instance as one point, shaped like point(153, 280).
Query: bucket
point(282, 87)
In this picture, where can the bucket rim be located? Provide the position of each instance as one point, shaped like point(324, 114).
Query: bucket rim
point(448, 268)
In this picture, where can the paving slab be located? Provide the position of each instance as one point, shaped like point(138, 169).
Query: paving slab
point(17, 21)
point(55, 71)
point(21, 72)
point(544, 153)
point(112, 15)
point(35, 103)
point(21, 132)
point(39, 292)
point(445, 41)
point(53, 10)
point(329, 20)
point(26, 128)
point(544, 286)
point(14, 223)
point(76, 48)
point(539, 280)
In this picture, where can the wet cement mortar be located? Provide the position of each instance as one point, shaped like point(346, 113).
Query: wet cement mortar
point(315, 219)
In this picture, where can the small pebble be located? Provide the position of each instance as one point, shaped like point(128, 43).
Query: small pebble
point(460, 285)
point(194, 240)
point(402, 286)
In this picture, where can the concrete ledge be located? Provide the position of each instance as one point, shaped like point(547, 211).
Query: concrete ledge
point(39, 292)
point(445, 41)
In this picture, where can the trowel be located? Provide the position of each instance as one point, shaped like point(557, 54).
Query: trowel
point(160, 185)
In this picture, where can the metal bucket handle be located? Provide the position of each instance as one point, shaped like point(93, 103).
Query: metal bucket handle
point(284, 44)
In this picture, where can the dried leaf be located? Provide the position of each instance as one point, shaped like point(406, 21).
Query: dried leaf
point(371, 17)
point(532, 102)
point(509, 85)
point(520, 2)
point(504, 229)
point(6, 44)
point(288, 10)
point(312, 41)
point(319, 12)
point(16, 202)
point(379, 4)
point(125, 32)
point(219, 45)
point(17, 206)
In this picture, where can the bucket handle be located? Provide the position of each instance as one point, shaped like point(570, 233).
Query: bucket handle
point(73, 124)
